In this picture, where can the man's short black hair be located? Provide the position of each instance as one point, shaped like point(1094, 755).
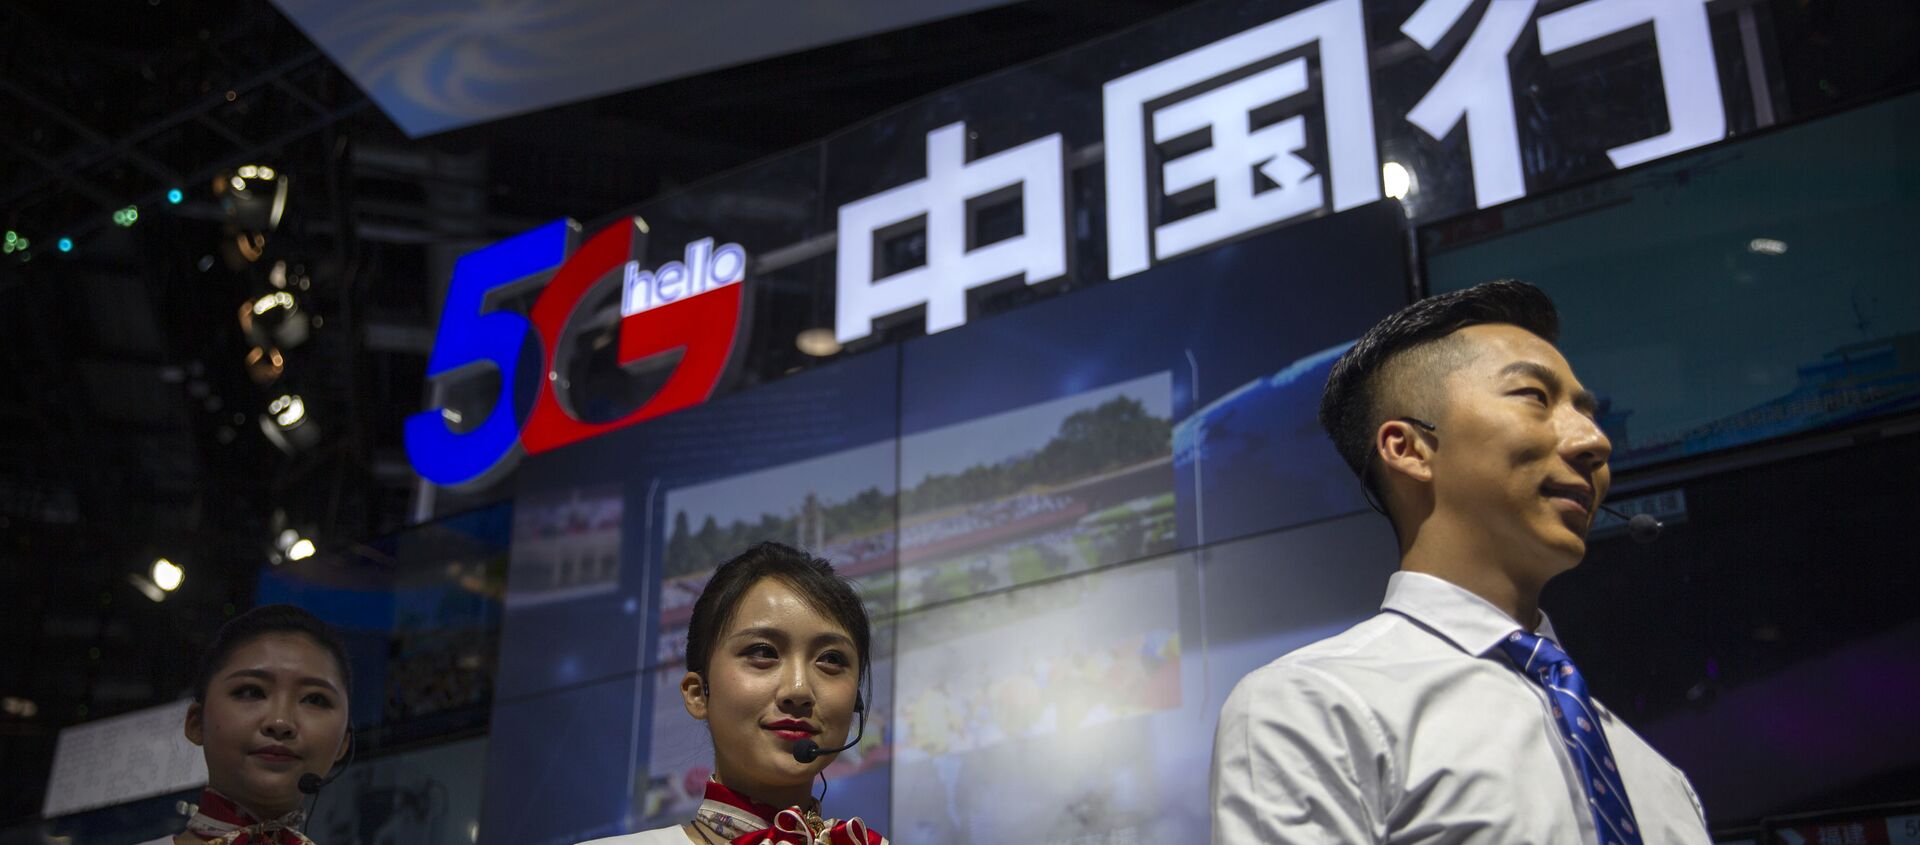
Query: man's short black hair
point(1372, 382)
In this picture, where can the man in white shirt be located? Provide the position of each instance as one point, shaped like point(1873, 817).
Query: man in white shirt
point(1453, 716)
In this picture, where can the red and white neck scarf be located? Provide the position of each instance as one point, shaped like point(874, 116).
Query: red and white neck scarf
point(747, 822)
point(219, 821)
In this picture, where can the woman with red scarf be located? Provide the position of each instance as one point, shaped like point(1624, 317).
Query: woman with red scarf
point(269, 707)
point(776, 652)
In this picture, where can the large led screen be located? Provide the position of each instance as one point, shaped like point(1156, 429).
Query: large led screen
point(1759, 289)
point(1164, 410)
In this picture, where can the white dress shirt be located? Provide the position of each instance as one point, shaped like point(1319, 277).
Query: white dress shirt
point(1413, 727)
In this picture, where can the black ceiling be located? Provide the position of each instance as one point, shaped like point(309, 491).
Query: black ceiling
point(127, 421)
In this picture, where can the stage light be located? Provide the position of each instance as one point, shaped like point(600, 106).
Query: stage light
point(1767, 246)
point(65, 244)
point(1396, 180)
point(265, 364)
point(287, 424)
point(127, 216)
point(271, 301)
point(254, 197)
point(300, 550)
point(175, 196)
point(817, 342)
point(288, 411)
point(167, 575)
point(275, 321)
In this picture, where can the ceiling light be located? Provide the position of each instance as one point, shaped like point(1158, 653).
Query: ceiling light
point(1396, 180)
point(819, 343)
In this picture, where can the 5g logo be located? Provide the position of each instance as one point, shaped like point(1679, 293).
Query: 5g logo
point(693, 306)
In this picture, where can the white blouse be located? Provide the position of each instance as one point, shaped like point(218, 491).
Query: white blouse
point(675, 835)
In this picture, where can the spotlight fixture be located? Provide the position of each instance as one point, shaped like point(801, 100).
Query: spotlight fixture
point(254, 197)
point(289, 544)
point(265, 364)
point(275, 320)
point(167, 575)
point(289, 411)
point(287, 425)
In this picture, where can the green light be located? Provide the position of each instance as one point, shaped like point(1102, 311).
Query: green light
point(12, 236)
point(127, 216)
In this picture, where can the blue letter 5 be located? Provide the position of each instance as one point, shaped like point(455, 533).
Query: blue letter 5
point(473, 336)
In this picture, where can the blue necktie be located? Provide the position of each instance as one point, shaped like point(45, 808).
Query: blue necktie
point(1544, 662)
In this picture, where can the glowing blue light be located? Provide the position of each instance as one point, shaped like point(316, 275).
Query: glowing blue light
point(175, 196)
point(66, 244)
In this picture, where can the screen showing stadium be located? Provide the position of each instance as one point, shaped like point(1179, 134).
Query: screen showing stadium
point(1758, 289)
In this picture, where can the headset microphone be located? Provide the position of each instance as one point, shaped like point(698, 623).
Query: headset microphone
point(311, 784)
point(1642, 526)
point(807, 751)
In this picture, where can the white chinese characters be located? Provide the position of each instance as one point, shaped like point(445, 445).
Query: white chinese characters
point(1338, 30)
point(1037, 254)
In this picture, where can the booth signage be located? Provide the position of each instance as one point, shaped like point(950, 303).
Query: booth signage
point(693, 306)
point(1253, 167)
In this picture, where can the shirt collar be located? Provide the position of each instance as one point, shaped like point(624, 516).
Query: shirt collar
point(1470, 622)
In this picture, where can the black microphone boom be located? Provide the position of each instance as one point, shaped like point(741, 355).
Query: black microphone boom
point(311, 784)
point(807, 751)
point(1642, 526)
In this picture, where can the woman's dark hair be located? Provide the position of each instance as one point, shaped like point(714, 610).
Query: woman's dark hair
point(259, 622)
point(1371, 382)
point(812, 577)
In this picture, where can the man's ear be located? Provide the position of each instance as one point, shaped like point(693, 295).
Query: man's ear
point(1402, 449)
point(693, 693)
point(195, 727)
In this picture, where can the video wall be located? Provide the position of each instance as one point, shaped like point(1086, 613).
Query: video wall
point(1076, 525)
point(1665, 275)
